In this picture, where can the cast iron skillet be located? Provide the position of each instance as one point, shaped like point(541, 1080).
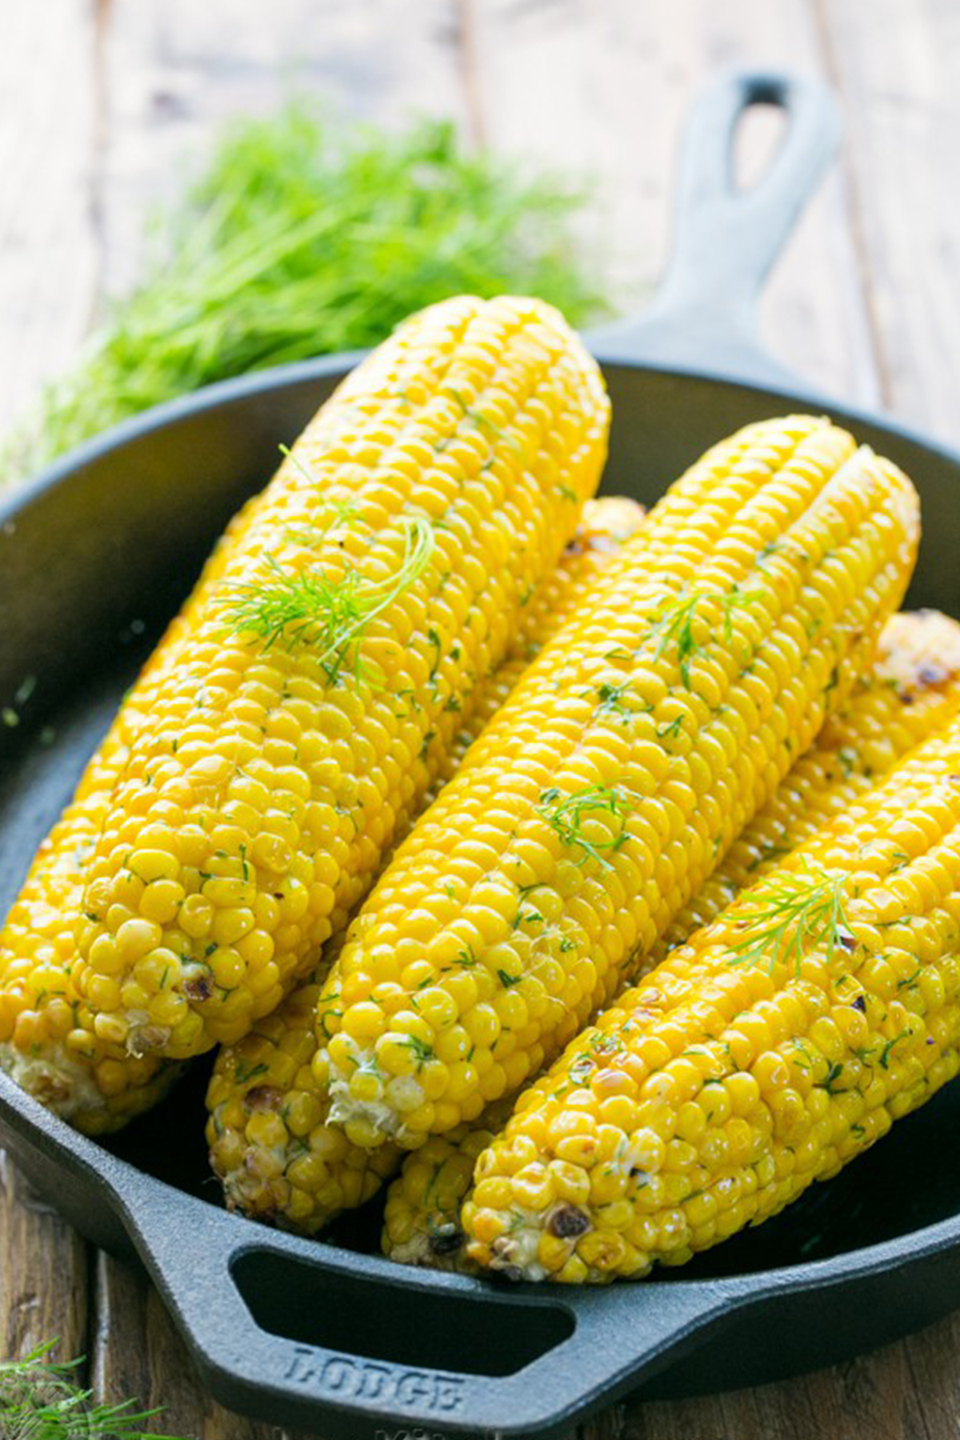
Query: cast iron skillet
point(96, 552)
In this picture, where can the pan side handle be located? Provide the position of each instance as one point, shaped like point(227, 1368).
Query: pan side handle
point(295, 1332)
point(704, 315)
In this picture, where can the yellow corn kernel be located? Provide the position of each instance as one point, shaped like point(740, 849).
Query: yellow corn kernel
point(305, 1207)
point(462, 451)
point(783, 961)
point(660, 718)
point(912, 689)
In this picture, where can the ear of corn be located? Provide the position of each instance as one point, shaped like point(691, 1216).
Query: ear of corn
point(47, 1043)
point(774, 1047)
point(421, 1219)
point(650, 730)
point(316, 689)
point(912, 690)
point(270, 1145)
point(47, 1040)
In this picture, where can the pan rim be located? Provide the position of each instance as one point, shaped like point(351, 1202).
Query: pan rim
point(272, 379)
point(22, 1115)
point(23, 1119)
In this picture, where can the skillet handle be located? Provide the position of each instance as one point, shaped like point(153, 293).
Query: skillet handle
point(304, 1334)
point(704, 315)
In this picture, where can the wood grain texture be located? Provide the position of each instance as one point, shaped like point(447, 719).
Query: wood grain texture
point(604, 90)
point(907, 1391)
point(48, 243)
point(896, 68)
point(137, 1352)
point(176, 71)
point(43, 1274)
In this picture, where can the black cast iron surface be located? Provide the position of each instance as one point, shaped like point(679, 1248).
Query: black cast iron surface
point(96, 554)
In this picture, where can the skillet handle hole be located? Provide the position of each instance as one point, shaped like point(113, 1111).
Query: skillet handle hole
point(482, 1333)
point(757, 139)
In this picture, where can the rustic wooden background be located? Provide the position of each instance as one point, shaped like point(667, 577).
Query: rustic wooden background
point(101, 104)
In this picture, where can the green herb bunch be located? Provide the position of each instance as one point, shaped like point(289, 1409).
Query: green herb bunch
point(301, 239)
point(40, 1400)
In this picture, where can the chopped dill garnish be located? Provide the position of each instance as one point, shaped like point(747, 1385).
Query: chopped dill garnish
point(671, 729)
point(565, 815)
point(327, 1010)
point(244, 1071)
point(421, 1051)
point(673, 625)
point(788, 914)
point(611, 699)
point(437, 646)
point(305, 607)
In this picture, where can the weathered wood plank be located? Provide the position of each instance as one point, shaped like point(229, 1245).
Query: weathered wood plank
point(902, 1392)
point(137, 1352)
point(43, 1274)
point(48, 252)
point(605, 90)
point(896, 66)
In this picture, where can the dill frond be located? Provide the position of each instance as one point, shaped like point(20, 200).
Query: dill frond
point(565, 815)
point(39, 1400)
point(306, 608)
point(304, 237)
point(674, 623)
point(786, 915)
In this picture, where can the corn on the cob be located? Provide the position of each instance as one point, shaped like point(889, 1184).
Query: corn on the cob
point(46, 1044)
point(613, 780)
point(421, 1219)
point(912, 690)
point(270, 1146)
point(47, 1041)
point(311, 701)
point(775, 1046)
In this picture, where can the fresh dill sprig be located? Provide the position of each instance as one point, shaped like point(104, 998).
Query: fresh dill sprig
point(674, 622)
point(39, 1400)
point(565, 815)
point(305, 608)
point(786, 915)
point(305, 236)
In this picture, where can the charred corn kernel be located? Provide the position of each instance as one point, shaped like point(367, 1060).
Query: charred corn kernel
point(912, 690)
point(785, 963)
point(305, 1199)
point(426, 501)
point(652, 727)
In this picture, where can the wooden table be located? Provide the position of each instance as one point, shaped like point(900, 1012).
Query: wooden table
point(99, 102)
